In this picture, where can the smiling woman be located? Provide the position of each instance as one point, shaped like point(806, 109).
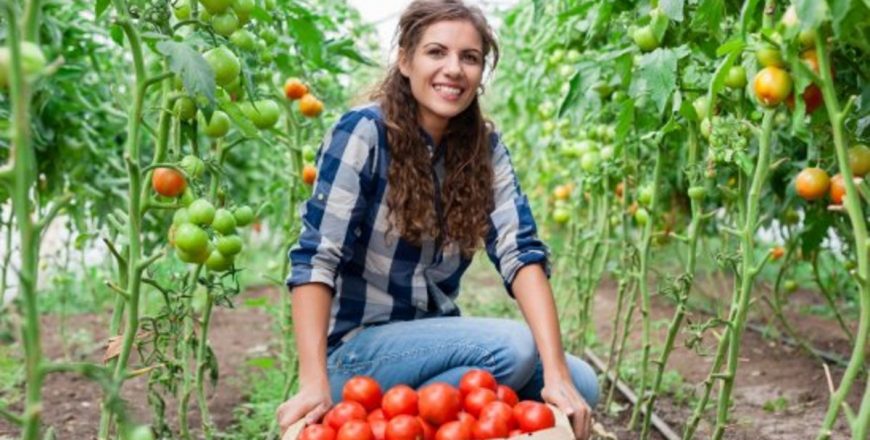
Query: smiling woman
point(408, 188)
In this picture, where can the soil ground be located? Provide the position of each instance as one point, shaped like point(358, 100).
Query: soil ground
point(769, 371)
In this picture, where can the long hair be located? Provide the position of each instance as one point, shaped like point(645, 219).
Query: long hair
point(466, 193)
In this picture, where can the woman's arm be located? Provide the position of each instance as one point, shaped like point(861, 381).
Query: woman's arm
point(311, 305)
point(535, 298)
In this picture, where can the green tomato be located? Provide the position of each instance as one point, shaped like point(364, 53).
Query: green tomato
point(187, 197)
point(218, 262)
point(244, 215)
point(603, 89)
point(141, 432)
point(201, 212)
point(561, 215)
point(697, 193)
point(807, 38)
point(645, 195)
point(736, 77)
point(32, 61)
point(244, 39)
point(266, 57)
point(218, 126)
point(244, 6)
point(547, 109)
point(309, 154)
point(791, 217)
point(573, 56)
point(269, 5)
point(700, 105)
point(216, 6)
point(225, 23)
point(607, 152)
point(590, 161)
point(859, 160)
point(224, 222)
point(706, 128)
point(269, 35)
point(224, 63)
point(790, 286)
point(769, 56)
point(185, 108)
point(180, 216)
point(197, 258)
point(182, 11)
point(191, 238)
point(566, 71)
point(557, 56)
point(192, 165)
point(229, 245)
point(263, 114)
point(645, 38)
point(641, 216)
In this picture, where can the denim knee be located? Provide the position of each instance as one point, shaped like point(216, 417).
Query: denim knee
point(515, 352)
point(585, 379)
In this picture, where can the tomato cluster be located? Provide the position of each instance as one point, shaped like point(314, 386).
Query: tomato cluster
point(479, 409)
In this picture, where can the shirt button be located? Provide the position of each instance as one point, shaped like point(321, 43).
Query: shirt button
point(358, 232)
point(320, 196)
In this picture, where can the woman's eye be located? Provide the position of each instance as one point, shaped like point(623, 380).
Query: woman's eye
point(436, 52)
point(472, 58)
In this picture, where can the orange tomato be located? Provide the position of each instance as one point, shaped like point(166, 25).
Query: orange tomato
point(562, 192)
point(294, 88)
point(838, 189)
point(772, 86)
point(310, 106)
point(309, 174)
point(168, 182)
point(812, 183)
point(777, 253)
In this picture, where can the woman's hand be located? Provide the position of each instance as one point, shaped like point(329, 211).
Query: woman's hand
point(559, 391)
point(310, 403)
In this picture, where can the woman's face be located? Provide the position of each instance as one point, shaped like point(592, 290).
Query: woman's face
point(445, 71)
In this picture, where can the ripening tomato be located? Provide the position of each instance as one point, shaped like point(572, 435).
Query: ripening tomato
point(772, 85)
point(777, 253)
point(561, 192)
point(477, 398)
point(294, 88)
point(363, 389)
point(859, 160)
point(454, 430)
point(769, 56)
point(168, 182)
point(317, 432)
point(309, 174)
point(499, 410)
point(400, 399)
point(534, 416)
point(310, 106)
point(439, 403)
point(404, 427)
point(477, 379)
point(812, 183)
point(838, 189)
point(355, 430)
point(342, 413)
point(507, 395)
point(491, 428)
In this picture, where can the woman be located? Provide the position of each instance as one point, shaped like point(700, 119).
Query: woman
point(408, 189)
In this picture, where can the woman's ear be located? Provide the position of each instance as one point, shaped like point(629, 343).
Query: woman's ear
point(404, 63)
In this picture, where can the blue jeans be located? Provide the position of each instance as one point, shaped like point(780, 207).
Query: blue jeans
point(431, 350)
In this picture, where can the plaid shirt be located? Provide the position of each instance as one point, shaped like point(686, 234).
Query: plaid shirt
point(376, 276)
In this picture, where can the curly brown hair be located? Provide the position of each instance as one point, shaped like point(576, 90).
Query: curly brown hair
point(466, 193)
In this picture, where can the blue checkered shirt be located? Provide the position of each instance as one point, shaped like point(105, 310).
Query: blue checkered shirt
point(375, 275)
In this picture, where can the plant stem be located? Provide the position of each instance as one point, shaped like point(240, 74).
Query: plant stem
point(201, 351)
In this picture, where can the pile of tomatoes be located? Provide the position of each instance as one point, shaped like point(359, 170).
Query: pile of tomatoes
point(479, 409)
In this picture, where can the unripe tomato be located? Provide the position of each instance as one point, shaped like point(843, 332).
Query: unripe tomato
point(244, 215)
point(218, 126)
point(697, 193)
point(645, 38)
point(294, 88)
point(180, 216)
point(192, 165)
point(364, 390)
point(561, 215)
point(269, 35)
point(573, 56)
point(218, 262)
point(141, 432)
point(224, 63)
point(590, 161)
point(736, 77)
point(263, 113)
point(244, 39)
point(187, 197)
point(772, 85)
point(790, 286)
point(641, 216)
point(32, 61)
point(706, 128)
point(807, 37)
point(603, 89)
point(700, 106)
point(769, 56)
point(310, 106)
point(547, 109)
point(859, 160)
point(812, 183)
point(317, 432)
point(243, 6)
point(185, 108)
point(838, 189)
point(182, 11)
point(309, 174)
point(225, 23)
point(556, 56)
point(229, 245)
point(201, 212)
point(168, 182)
point(224, 222)
point(645, 195)
point(216, 6)
point(191, 238)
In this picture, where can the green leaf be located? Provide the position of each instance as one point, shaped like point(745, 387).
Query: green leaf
point(235, 113)
point(255, 303)
point(625, 120)
point(673, 9)
point(850, 22)
point(575, 91)
point(539, 10)
point(815, 231)
point(346, 48)
point(102, 5)
point(811, 13)
point(708, 16)
point(308, 37)
point(189, 64)
point(82, 240)
point(262, 362)
point(656, 77)
point(733, 45)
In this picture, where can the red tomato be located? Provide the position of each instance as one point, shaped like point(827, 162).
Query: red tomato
point(454, 430)
point(476, 379)
point(507, 395)
point(363, 389)
point(377, 414)
point(404, 427)
point(535, 417)
point(428, 430)
point(317, 432)
point(490, 428)
point(379, 428)
point(439, 403)
point(344, 412)
point(168, 182)
point(355, 430)
point(499, 410)
point(838, 189)
point(467, 421)
point(477, 398)
point(400, 399)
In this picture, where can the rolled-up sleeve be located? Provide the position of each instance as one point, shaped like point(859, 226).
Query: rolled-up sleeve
point(512, 241)
point(332, 215)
